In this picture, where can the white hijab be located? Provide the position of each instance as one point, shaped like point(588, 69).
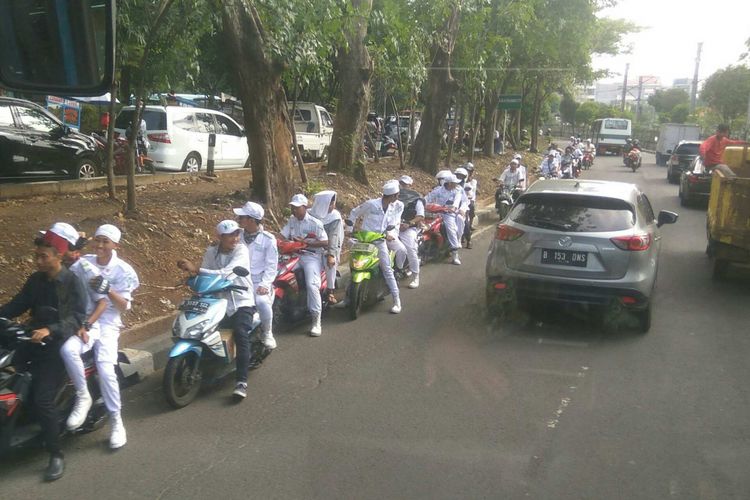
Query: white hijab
point(321, 203)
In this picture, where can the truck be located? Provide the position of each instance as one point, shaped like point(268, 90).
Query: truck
point(313, 126)
point(670, 134)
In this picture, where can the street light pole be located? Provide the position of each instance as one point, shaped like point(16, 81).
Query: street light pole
point(624, 87)
point(694, 90)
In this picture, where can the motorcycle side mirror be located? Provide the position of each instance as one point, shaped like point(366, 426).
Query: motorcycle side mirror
point(666, 217)
point(240, 271)
point(349, 223)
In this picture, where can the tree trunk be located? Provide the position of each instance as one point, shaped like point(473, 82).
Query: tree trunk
point(440, 87)
point(400, 138)
point(451, 142)
point(109, 159)
point(266, 117)
point(461, 121)
point(295, 146)
point(535, 114)
point(475, 119)
point(354, 71)
point(490, 120)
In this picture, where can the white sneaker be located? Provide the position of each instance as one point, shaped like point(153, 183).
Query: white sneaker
point(396, 306)
point(80, 410)
point(269, 341)
point(415, 282)
point(118, 437)
point(316, 329)
point(455, 259)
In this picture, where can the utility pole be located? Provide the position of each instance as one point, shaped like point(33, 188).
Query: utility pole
point(747, 120)
point(640, 94)
point(694, 93)
point(624, 87)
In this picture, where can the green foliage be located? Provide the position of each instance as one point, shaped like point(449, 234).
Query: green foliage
point(568, 108)
point(314, 186)
point(727, 91)
point(680, 113)
point(664, 101)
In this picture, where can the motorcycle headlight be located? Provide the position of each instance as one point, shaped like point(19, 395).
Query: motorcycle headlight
point(196, 331)
point(359, 263)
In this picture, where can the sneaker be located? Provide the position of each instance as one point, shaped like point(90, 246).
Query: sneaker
point(240, 390)
point(269, 341)
point(81, 409)
point(117, 437)
point(316, 329)
point(456, 261)
point(396, 306)
point(415, 282)
point(408, 273)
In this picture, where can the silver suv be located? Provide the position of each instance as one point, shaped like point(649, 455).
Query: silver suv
point(577, 241)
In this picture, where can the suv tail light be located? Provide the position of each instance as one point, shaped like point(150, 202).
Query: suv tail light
point(507, 233)
point(162, 137)
point(635, 243)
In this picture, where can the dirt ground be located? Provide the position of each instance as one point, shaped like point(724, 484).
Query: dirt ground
point(176, 220)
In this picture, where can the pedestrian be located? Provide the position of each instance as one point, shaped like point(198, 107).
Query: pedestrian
point(305, 228)
point(712, 148)
point(471, 186)
point(324, 209)
point(411, 219)
point(449, 195)
point(220, 258)
point(497, 142)
point(110, 283)
point(263, 263)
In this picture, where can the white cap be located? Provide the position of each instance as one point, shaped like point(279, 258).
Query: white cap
point(406, 180)
point(391, 187)
point(443, 174)
point(451, 178)
point(299, 200)
point(109, 231)
point(514, 161)
point(227, 227)
point(461, 171)
point(517, 156)
point(250, 209)
point(66, 231)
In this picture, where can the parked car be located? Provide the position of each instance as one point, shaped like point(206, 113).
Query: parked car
point(672, 134)
point(178, 137)
point(36, 145)
point(681, 159)
point(314, 127)
point(695, 184)
point(577, 241)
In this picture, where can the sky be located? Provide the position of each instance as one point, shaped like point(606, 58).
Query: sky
point(667, 45)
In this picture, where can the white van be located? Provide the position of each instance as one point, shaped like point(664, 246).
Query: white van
point(178, 137)
point(313, 125)
point(610, 134)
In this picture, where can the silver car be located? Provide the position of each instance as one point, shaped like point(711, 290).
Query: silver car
point(577, 241)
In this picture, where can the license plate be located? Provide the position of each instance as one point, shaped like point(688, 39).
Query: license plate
point(564, 257)
point(363, 247)
point(195, 306)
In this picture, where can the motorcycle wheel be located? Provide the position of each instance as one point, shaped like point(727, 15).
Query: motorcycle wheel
point(355, 299)
point(182, 380)
point(634, 166)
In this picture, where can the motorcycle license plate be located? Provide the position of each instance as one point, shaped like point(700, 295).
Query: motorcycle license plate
point(363, 247)
point(194, 306)
point(564, 257)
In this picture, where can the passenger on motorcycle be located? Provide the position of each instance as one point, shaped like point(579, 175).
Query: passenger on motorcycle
point(51, 286)
point(221, 258)
point(522, 174)
point(511, 176)
point(264, 259)
point(566, 163)
point(461, 173)
point(377, 216)
point(441, 176)
point(76, 241)
point(411, 219)
point(324, 209)
point(550, 168)
point(110, 284)
point(449, 195)
point(303, 227)
point(470, 187)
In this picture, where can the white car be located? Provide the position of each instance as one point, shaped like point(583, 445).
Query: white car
point(178, 137)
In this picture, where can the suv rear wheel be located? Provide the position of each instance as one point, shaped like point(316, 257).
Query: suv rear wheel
point(84, 168)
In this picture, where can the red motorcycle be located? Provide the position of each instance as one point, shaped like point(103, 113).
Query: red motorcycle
point(290, 291)
point(434, 244)
point(633, 159)
point(142, 162)
point(588, 160)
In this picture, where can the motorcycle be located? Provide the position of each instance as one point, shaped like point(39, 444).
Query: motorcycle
point(202, 344)
point(121, 157)
point(505, 196)
point(389, 147)
point(290, 292)
point(434, 244)
point(633, 159)
point(588, 161)
point(18, 427)
point(367, 285)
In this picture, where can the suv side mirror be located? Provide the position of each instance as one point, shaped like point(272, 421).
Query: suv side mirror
point(666, 217)
point(64, 48)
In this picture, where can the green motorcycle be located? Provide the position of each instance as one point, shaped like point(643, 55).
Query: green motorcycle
point(367, 285)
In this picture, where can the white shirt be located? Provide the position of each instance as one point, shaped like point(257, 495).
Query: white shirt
point(443, 197)
point(215, 262)
point(375, 219)
point(472, 192)
point(510, 178)
point(122, 279)
point(309, 225)
point(264, 256)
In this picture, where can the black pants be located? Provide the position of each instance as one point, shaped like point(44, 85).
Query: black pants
point(469, 222)
point(242, 326)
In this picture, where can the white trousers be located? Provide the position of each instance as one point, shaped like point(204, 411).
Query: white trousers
point(451, 229)
point(385, 264)
point(330, 271)
point(311, 263)
point(264, 304)
point(460, 226)
point(409, 240)
point(105, 344)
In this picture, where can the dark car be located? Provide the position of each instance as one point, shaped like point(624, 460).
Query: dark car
point(695, 184)
point(35, 145)
point(681, 159)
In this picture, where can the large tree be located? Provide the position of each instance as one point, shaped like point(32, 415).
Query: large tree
point(727, 92)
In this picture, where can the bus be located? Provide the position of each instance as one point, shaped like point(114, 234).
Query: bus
point(609, 134)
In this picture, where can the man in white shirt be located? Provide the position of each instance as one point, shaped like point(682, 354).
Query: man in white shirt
point(522, 175)
point(449, 195)
point(550, 167)
point(471, 188)
point(511, 174)
point(264, 259)
point(411, 219)
point(383, 215)
point(305, 228)
point(221, 258)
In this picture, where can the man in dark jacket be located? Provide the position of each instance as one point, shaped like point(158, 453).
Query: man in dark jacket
point(56, 299)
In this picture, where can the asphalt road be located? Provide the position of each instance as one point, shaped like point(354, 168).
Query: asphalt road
point(439, 402)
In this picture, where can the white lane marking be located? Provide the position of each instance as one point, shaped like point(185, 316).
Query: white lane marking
point(565, 343)
point(554, 373)
point(565, 401)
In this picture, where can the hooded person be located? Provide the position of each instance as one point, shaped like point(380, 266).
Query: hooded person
point(324, 209)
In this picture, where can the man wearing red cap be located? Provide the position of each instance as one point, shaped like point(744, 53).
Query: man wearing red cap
point(56, 299)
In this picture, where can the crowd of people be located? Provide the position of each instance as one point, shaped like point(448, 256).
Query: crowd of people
point(565, 164)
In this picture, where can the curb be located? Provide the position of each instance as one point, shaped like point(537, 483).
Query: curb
point(151, 355)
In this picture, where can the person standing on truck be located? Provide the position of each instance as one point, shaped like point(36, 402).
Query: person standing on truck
point(712, 148)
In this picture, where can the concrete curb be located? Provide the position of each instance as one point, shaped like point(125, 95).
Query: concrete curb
point(151, 355)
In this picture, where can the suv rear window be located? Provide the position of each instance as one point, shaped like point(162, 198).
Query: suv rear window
point(577, 214)
point(687, 149)
point(155, 120)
